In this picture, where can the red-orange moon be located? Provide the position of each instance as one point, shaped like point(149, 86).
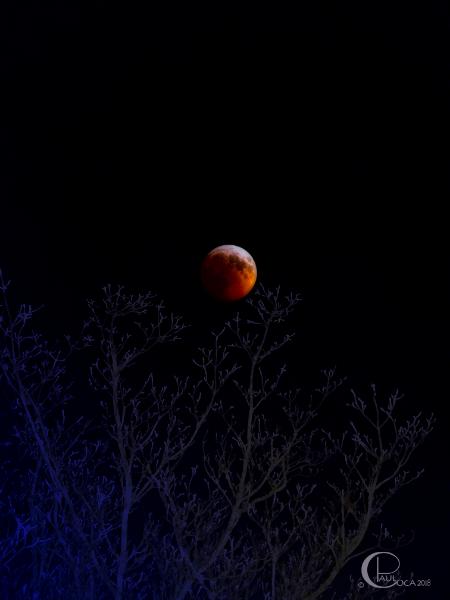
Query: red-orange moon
point(228, 273)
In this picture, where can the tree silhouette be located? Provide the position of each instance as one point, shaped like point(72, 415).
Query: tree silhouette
point(221, 484)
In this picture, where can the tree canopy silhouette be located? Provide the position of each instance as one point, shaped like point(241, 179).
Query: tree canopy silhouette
point(229, 482)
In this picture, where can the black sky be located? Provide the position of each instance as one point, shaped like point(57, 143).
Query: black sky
point(136, 138)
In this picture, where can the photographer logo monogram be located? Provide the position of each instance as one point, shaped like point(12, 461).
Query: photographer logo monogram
point(382, 570)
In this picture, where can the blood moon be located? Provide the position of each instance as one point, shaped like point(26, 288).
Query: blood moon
point(228, 273)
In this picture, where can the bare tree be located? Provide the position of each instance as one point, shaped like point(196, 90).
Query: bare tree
point(219, 484)
point(150, 427)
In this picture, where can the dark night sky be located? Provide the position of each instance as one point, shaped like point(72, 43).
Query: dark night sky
point(136, 138)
